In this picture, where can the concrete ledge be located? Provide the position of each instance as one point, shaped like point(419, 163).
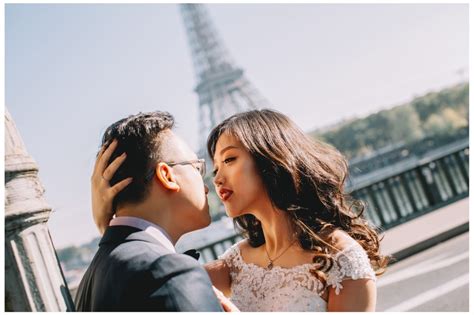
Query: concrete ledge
point(414, 249)
point(428, 230)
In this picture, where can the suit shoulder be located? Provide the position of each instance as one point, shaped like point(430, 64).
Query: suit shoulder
point(172, 263)
point(134, 251)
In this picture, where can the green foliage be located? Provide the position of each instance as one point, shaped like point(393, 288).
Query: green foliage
point(436, 113)
point(447, 121)
point(456, 98)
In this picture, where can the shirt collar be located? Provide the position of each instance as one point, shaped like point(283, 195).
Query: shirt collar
point(153, 229)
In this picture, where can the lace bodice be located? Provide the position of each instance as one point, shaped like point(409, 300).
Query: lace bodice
point(255, 288)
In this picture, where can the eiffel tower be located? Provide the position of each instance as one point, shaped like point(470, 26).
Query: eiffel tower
point(222, 87)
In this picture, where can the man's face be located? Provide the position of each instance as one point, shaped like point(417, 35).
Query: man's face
point(191, 199)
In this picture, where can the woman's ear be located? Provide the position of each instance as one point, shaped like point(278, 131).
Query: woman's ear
point(165, 176)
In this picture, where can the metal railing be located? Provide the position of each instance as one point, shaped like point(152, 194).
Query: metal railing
point(404, 195)
point(212, 251)
point(400, 193)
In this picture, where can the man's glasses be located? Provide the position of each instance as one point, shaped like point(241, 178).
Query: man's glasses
point(199, 164)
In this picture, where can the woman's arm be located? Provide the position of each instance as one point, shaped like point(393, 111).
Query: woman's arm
point(355, 296)
point(219, 273)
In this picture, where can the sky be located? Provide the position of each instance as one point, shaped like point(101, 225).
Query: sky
point(72, 70)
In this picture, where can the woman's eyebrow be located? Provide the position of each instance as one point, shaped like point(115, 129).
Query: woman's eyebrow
point(226, 149)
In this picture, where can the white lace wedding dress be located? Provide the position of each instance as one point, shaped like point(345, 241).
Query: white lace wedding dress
point(257, 289)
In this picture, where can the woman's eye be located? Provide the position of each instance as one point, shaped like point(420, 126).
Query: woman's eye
point(214, 172)
point(228, 160)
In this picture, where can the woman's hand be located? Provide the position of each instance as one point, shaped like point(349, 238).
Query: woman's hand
point(227, 305)
point(101, 192)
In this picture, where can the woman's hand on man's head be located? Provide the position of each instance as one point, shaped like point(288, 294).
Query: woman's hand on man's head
point(102, 193)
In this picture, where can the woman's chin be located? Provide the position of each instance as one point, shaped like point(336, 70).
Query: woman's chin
point(232, 213)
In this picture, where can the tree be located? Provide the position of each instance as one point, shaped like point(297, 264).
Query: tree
point(440, 112)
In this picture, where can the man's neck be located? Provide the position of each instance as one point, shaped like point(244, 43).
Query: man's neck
point(159, 218)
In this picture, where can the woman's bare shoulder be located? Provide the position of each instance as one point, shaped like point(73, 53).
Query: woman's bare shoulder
point(244, 245)
point(340, 239)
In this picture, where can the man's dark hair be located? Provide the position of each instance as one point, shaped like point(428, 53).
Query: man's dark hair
point(140, 136)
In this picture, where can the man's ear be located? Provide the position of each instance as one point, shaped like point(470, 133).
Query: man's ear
point(165, 176)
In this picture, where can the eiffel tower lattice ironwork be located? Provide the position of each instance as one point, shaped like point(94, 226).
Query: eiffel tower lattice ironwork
point(222, 87)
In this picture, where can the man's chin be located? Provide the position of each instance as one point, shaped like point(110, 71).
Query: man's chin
point(232, 213)
point(200, 224)
point(205, 220)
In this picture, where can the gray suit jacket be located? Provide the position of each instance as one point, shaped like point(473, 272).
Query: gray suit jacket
point(132, 271)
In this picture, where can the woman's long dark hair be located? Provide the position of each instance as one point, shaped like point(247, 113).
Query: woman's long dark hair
point(305, 178)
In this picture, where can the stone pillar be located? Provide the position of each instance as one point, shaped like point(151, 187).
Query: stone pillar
point(33, 276)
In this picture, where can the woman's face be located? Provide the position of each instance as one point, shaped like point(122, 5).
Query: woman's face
point(236, 180)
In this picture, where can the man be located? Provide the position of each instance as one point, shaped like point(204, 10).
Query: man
point(162, 196)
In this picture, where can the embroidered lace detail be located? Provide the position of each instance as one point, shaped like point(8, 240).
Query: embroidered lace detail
point(257, 289)
point(351, 263)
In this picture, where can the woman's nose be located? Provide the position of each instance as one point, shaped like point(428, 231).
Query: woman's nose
point(218, 179)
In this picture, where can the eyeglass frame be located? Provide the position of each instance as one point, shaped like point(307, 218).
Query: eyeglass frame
point(202, 172)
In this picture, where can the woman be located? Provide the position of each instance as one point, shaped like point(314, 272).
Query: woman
point(304, 249)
